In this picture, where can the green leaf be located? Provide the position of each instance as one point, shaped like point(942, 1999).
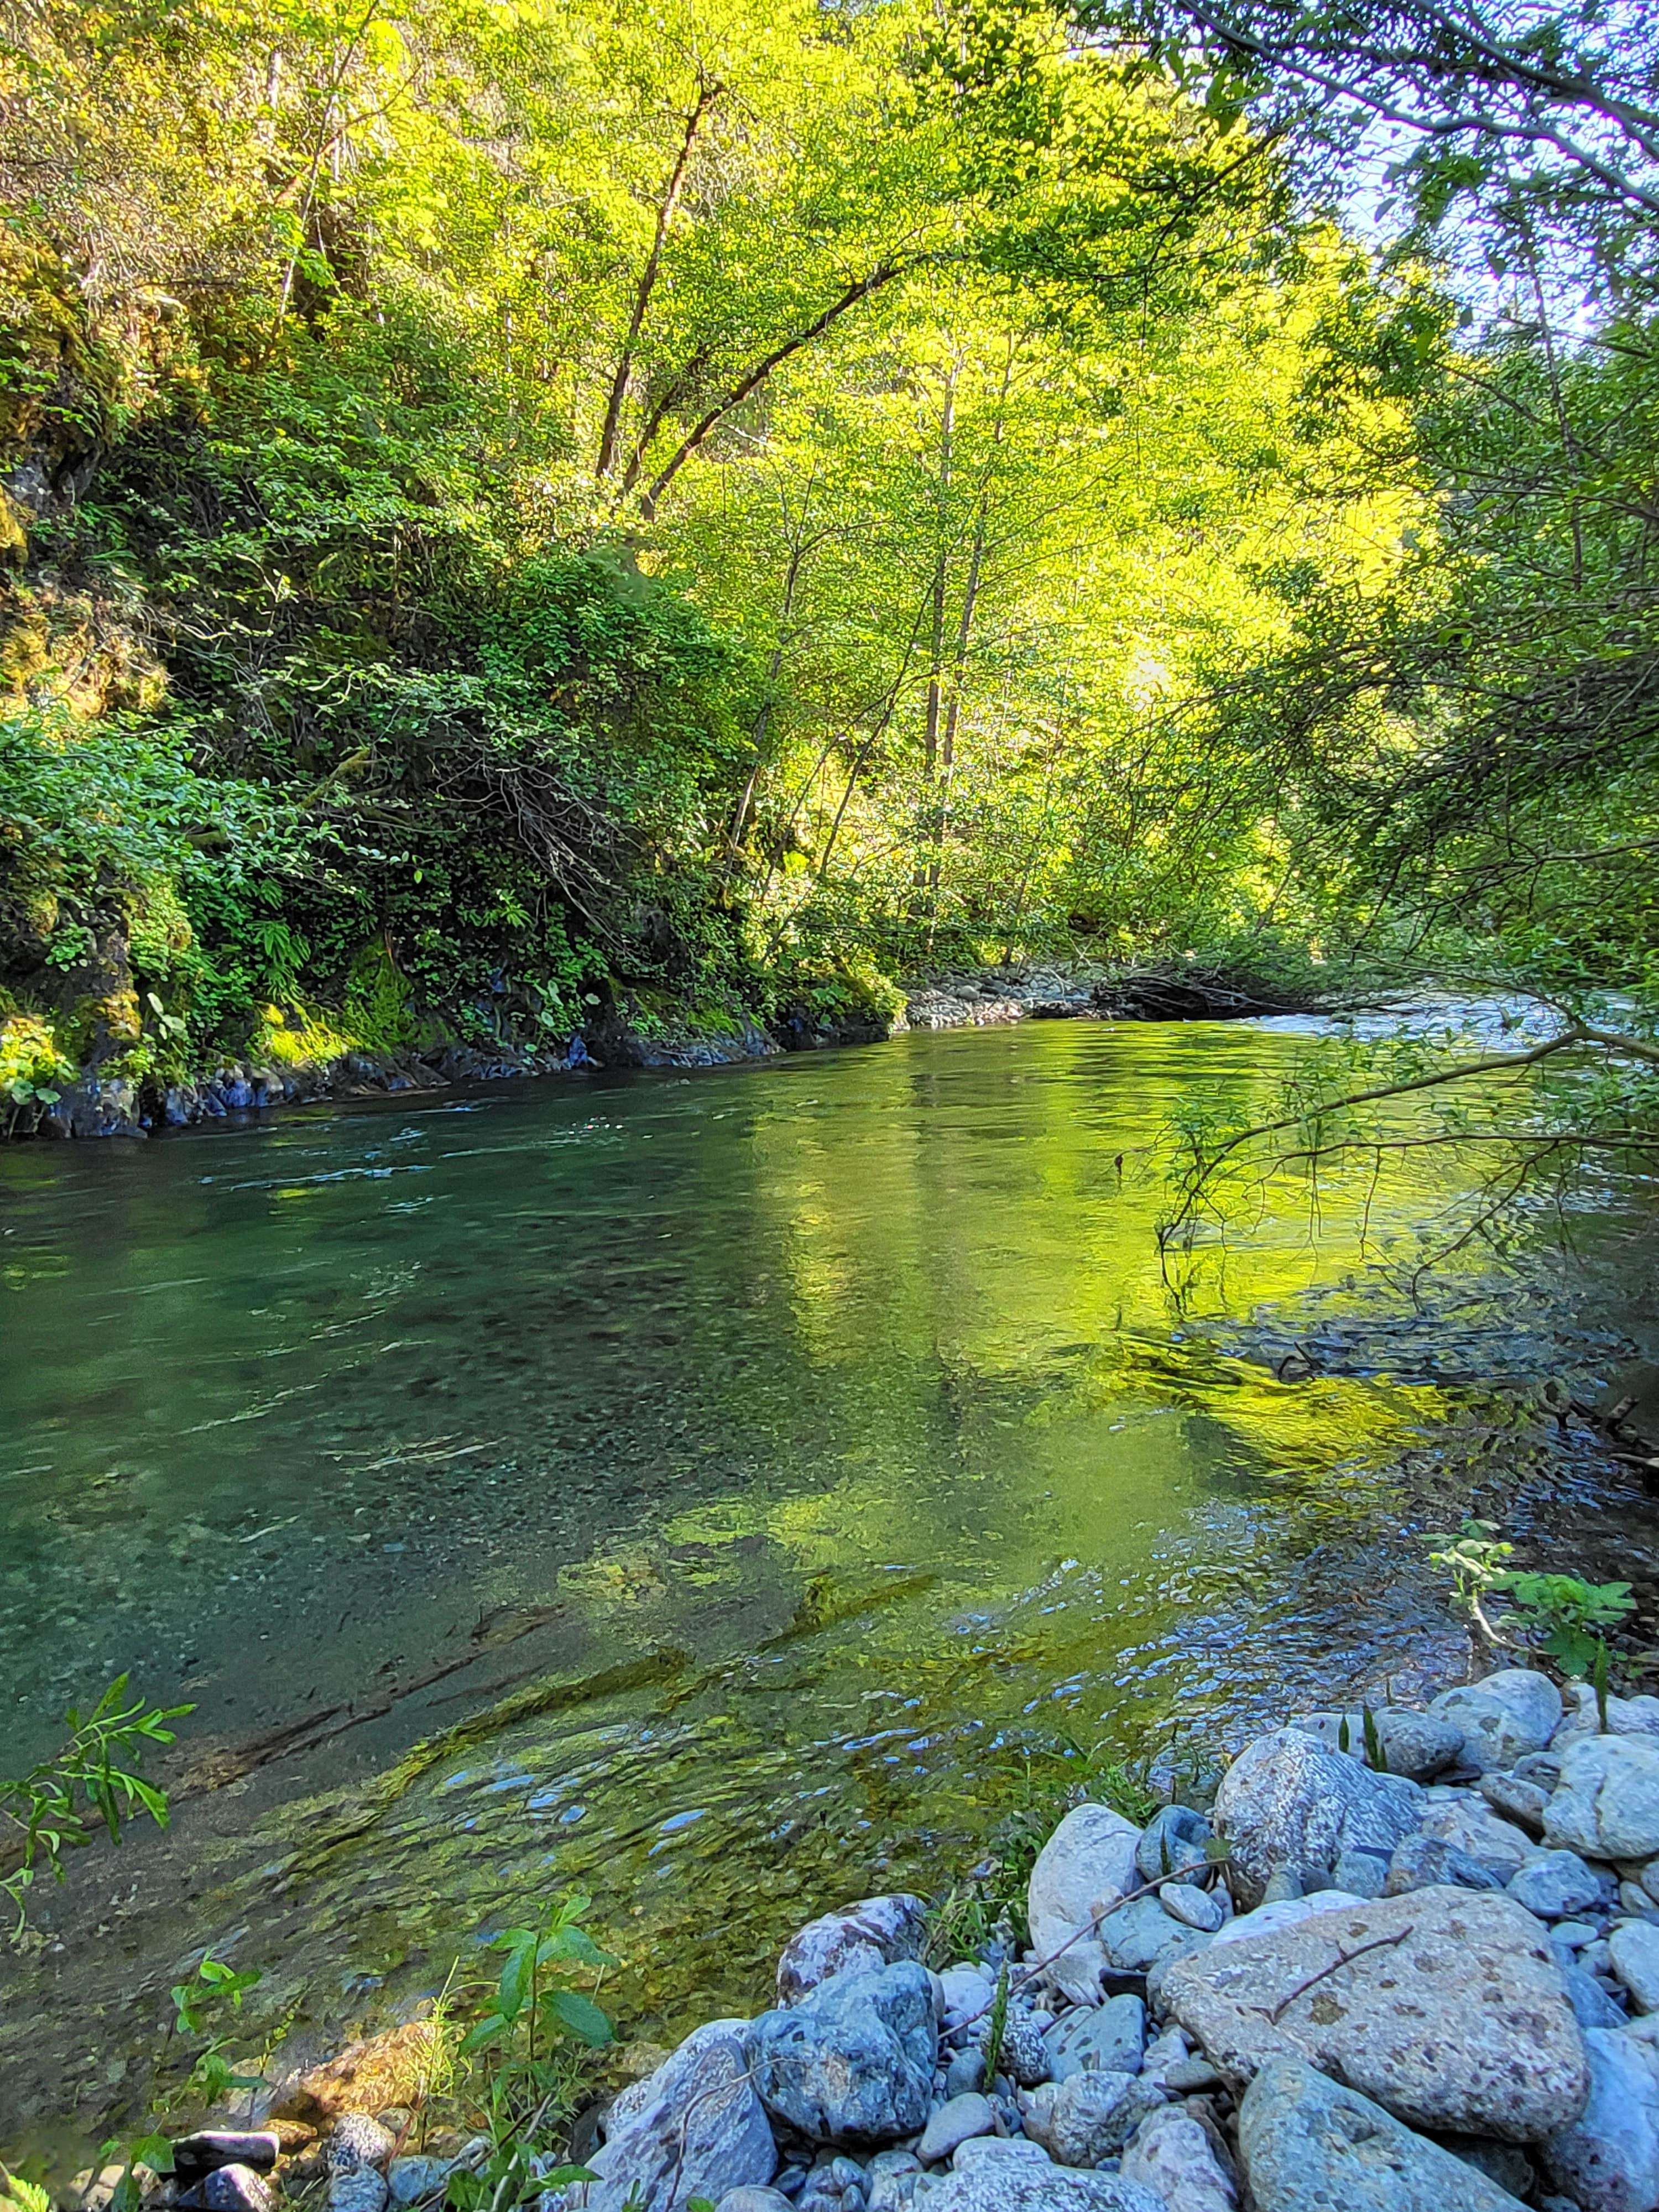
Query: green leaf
point(578, 2015)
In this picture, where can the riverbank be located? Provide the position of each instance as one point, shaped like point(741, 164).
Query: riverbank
point(1400, 1958)
point(111, 1101)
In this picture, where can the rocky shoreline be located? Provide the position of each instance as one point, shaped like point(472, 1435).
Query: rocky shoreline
point(1406, 1961)
point(113, 1106)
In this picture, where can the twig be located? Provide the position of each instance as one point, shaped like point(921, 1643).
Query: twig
point(1342, 1958)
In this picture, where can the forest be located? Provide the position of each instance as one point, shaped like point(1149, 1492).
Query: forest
point(521, 510)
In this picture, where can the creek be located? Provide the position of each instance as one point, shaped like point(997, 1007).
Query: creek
point(700, 1489)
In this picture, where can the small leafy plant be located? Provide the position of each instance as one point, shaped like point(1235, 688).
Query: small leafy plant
point(1558, 1613)
point(198, 2005)
point(94, 1778)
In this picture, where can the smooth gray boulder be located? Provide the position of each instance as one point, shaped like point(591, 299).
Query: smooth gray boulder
point(868, 1935)
point(1308, 2144)
point(1626, 1717)
point(1447, 2007)
point(953, 2124)
point(1286, 1800)
point(1430, 1862)
point(1514, 1798)
point(1606, 1805)
point(1608, 2159)
point(1634, 1951)
point(1140, 1933)
point(1470, 1826)
point(1107, 2038)
point(1556, 1887)
point(1192, 1907)
point(1090, 2117)
point(1287, 1912)
point(1170, 2154)
point(1024, 2185)
point(854, 2061)
point(1503, 1716)
point(1174, 1845)
point(1087, 1863)
point(700, 2130)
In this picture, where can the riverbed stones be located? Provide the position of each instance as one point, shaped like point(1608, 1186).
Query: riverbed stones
point(417, 2178)
point(1174, 1846)
point(1446, 2006)
point(1503, 1716)
point(1192, 1907)
point(966, 1990)
point(953, 2124)
point(854, 2061)
point(1470, 1826)
point(238, 2188)
point(359, 2189)
point(1420, 1746)
point(1087, 1863)
point(1107, 2038)
point(1608, 2159)
point(1582, 1716)
point(874, 1933)
point(1425, 1861)
point(1606, 1805)
point(1513, 1798)
point(1021, 2184)
point(356, 2139)
point(700, 2129)
point(1171, 2155)
point(1138, 1935)
point(1633, 1953)
point(1091, 2116)
point(1285, 1912)
point(194, 2155)
point(1286, 1800)
point(1309, 2144)
point(1556, 1887)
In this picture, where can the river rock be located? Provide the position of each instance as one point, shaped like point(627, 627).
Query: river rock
point(1091, 2116)
point(700, 2129)
point(1556, 1887)
point(1626, 1717)
point(1607, 2161)
point(1420, 1746)
point(891, 2180)
point(1362, 1874)
point(1192, 1907)
point(1174, 1843)
point(1503, 1716)
point(1591, 2005)
point(1513, 1798)
point(967, 1991)
point(868, 1935)
point(953, 2124)
point(982, 2153)
point(1606, 1805)
point(1286, 1801)
point(1469, 1826)
point(1453, 2018)
point(1309, 2144)
point(359, 2189)
point(357, 2141)
point(854, 2061)
point(754, 2200)
point(1633, 1949)
point(1287, 1912)
point(195, 2155)
point(1170, 2154)
point(1141, 1933)
point(1021, 2184)
point(1430, 1862)
point(412, 2180)
point(1108, 2039)
point(237, 2188)
point(1087, 1862)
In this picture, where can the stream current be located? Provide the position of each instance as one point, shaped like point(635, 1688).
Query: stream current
point(700, 1489)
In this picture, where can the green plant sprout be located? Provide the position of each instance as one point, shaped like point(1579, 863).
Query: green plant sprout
point(1556, 1612)
point(56, 1806)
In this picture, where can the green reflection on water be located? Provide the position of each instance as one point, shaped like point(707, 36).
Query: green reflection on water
point(852, 1388)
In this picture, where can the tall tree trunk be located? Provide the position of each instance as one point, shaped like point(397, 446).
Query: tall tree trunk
point(800, 545)
point(707, 94)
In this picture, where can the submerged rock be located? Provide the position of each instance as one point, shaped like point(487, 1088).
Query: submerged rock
point(1446, 2006)
point(1308, 2144)
point(854, 2061)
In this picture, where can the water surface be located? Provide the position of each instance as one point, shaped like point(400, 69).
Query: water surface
point(764, 1454)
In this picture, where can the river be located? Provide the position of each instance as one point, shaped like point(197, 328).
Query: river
point(699, 1488)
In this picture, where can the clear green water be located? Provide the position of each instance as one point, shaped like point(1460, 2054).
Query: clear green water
point(788, 1441)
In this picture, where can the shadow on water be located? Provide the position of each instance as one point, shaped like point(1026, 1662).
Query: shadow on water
point(687, 1487)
